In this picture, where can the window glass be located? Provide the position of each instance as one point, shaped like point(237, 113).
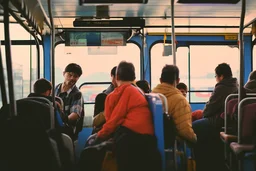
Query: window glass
point(90, 91)
point(158, 61)
point(204, 60)
point(17, 32)
point(21, 55)
point(96, 62)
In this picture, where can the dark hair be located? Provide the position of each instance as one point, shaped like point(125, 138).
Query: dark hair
point(170, 73)
point(113, 71)
point(125, 71)
point(99, 103)
point(182, 86)
point(223, 69)
point(42, 85)
point(72, 67)
point(252, 75)
point(143, 85)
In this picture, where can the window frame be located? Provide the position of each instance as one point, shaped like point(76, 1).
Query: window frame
point(188, 44)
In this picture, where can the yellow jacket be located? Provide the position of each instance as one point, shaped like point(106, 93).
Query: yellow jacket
point(99, 120)
point(179, 109)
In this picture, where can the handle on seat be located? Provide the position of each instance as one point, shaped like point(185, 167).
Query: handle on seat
point(225, 110)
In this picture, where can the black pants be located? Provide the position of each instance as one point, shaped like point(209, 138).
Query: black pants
point(136, 152)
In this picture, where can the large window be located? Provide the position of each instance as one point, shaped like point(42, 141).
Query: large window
point(96, 63)
point(158, 61)
point(203, 61)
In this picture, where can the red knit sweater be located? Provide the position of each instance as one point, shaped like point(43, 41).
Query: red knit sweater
point(126, 106)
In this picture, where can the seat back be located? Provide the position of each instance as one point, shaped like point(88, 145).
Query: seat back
point(50, 109)
point(156, 108)
point(25, 144)
point(248, 132)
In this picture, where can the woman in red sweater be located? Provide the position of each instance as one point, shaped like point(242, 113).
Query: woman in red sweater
point(129, 121)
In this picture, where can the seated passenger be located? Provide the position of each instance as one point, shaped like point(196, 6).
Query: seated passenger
point(113, 82)
point(250, 86)
point(183, 89)
point(99, 117)
point(178, 106)
point(208, 150)
point(143, 85)
point(197, 114)
point(129, 119)
point(43, 88)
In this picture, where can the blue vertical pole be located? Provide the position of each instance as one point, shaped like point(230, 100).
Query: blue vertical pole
point(247, 57)
point(47, 57)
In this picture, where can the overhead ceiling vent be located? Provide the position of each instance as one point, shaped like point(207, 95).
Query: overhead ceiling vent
point(84, 2)
point(208, 1)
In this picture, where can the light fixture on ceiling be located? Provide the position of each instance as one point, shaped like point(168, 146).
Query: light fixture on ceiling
point(208, 1)
point(84, 2)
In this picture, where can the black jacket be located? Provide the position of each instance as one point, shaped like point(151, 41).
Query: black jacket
point(215, 106)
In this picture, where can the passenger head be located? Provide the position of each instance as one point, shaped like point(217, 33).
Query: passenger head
point(99, 103)
point(43, 87)
point(71, 74)
point(170, 75)
point(113, 76)
point(223, 71)
point(143, 85)
point(252, 76)
point(183, 88)
point(125, 72)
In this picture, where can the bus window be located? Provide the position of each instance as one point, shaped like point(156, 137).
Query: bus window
point(158, 61)
point(21, 69)
point(96, 68)
point(203, 60)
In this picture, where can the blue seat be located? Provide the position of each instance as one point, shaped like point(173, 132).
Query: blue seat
point(156, 108)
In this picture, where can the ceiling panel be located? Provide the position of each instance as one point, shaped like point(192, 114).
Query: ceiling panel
point(64, 12)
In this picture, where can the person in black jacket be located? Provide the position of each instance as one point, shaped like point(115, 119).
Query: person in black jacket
point(250, 86)
point(208, 148)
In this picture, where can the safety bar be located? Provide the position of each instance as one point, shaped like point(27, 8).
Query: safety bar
point(241, 48)
point(165, 102)
point(52, 54)
point(2, 82)
point(240, 105)
point(173, 34)
point(13, 109)
point(225, 110)
point(226, 106)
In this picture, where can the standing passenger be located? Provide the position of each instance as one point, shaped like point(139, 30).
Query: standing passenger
point(178, 106)
point(72, 97)
point(208, 150)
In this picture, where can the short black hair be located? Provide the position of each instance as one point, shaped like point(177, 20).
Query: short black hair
point(99, 103)
point(182, 86)
point(252, 75)
point(42, 85)
point(170, 73)
point(113, 71)
point(143, 85)
point(223, 69)
point(75, 68)
point(125, 71)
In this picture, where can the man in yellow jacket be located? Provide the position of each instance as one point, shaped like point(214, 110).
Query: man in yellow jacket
point(178, 106)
